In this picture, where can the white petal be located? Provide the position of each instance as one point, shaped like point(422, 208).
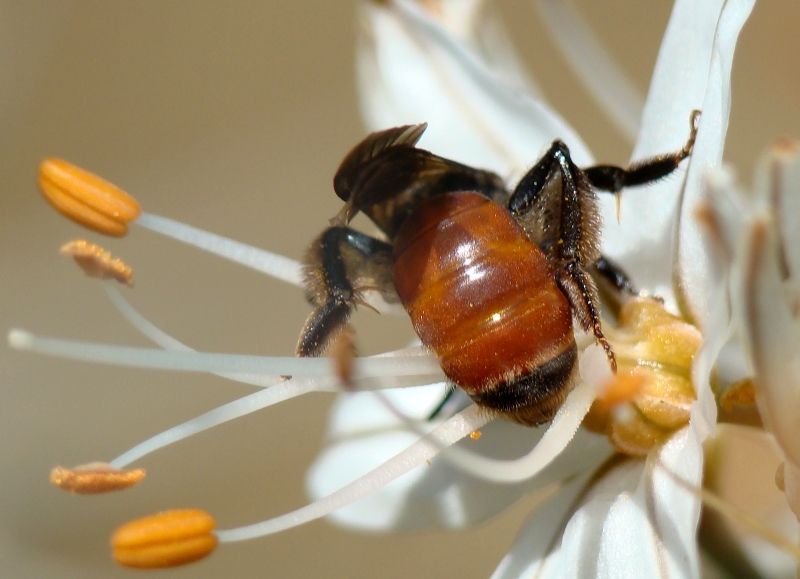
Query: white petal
point(411, 70)
point(635, 521)
point(692, 260)
point(787, 204)
point(772, 334)
point(721, 223)
point(540, 533)
point(692, 72)
point(477, 24)
point(363, 434)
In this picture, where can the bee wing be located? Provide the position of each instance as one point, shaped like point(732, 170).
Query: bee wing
point(386, 168)
point(368, 155)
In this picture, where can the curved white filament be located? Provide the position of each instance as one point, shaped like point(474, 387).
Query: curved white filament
point(415, 455)
point(167, 342)
point(230, 411)
point(558, 435)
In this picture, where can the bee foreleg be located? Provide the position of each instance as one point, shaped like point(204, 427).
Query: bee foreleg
point(613, 179)
point(340, 264)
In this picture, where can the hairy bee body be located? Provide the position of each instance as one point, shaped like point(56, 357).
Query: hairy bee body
point(493, 279)
point(483, 297)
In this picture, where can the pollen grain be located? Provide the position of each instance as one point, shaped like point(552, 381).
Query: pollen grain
point(95, 478)
point(97, 262)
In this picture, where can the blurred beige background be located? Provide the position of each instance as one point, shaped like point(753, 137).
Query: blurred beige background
point(233, 117)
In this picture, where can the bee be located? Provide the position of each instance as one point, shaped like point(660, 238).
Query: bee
point(492, 278)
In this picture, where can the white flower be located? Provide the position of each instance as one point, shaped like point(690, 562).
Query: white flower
point(505, 129)
point(417, 66)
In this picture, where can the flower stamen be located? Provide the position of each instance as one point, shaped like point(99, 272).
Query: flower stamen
point(446, 434)
point(193, 361)
point(97, 262)
point(168, 539)
point(741, 393)
point(651, 395)
point(86, 198)
point(95, 478)
point(272, 264)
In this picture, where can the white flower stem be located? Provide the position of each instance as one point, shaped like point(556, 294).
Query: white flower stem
point(415, 455)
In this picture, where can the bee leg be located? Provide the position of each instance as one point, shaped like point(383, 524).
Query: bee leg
point(339, 265)
point(614, 286)
point(572, 241)
point(528, 193)
point(614, 179)
point(614, 275)
point(581, 291)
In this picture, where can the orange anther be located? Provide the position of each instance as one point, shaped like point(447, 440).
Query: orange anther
point(475, 434)
point(97, 262)
point(622, 387)
point(167, 539)
point(95, 478)
point(742, 392)
point(86, 198)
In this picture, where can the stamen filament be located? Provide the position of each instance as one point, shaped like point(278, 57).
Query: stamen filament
point(230, 411)
point(272, 264)
point(246, 405)
point(160, 337)
point(451, 431)
point(157, 335)
point(276, 391)
point(219, 363)
point(558, 435)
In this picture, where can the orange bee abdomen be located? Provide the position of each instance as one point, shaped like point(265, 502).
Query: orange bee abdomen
point(482, 296)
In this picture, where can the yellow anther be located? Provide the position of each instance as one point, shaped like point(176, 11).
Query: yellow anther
point(86, 198)
point(650, 396)
point(475, 434)
point(97, 262)
point(168, 539)
point(633, 434)
point(95, 478)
